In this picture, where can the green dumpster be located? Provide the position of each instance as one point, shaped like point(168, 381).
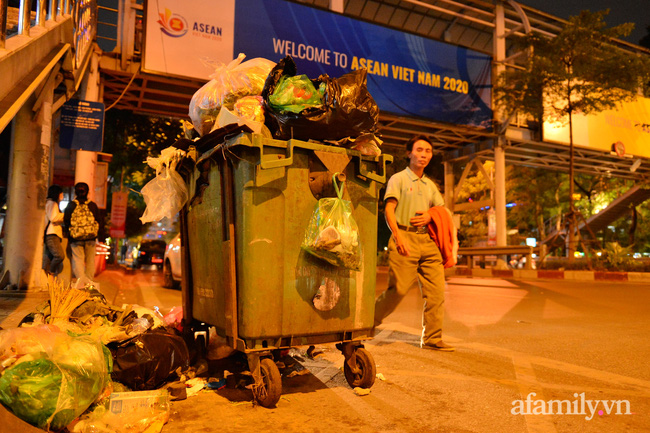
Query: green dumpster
point(251, 200)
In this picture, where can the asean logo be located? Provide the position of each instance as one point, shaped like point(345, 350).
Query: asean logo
point(172, 24)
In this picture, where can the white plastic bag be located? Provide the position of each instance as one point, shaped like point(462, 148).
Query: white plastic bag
point(229, 83)
point(166, 194)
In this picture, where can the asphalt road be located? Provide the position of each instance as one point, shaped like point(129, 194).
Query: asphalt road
point(581, 348)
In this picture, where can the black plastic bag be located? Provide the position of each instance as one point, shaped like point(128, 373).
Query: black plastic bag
point(348, 109)
point(147, 360)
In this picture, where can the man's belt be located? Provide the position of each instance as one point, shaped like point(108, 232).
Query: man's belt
point(420, 230)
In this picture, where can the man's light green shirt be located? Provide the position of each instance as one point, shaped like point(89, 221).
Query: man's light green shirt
point(413, 194)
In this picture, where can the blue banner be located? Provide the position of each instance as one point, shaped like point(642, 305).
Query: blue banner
point(407, 74)
point(82, 125)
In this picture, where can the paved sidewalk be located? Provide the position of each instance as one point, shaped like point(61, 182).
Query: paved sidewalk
point(16, 304)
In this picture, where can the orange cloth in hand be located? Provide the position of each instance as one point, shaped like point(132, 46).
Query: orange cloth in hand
point(443, 232)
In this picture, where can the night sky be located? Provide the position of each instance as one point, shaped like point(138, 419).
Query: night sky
point(620, 11)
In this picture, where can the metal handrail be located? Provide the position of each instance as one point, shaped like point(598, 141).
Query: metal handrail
point(45, 10)
point(24, 17)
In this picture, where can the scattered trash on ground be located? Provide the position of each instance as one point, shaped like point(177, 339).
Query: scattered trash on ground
point(81, 364)
point(361, 391)
point(126, 412)
point(194, 386)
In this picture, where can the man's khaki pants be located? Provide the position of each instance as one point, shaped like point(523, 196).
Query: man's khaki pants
point(423, 267)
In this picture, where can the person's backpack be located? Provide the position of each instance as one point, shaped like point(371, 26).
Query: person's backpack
point(83, 224)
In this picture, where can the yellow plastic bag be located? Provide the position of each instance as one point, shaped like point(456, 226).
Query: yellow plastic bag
point(332, 234)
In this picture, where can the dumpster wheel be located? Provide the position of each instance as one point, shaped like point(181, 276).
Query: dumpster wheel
point(362, 373)
point(267, 394)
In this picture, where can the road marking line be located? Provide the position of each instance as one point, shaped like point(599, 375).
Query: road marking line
point(614, 378)
point(527, 383)
point(149, 299)
point(383, 334)
point(372, 416)
point(566, 367)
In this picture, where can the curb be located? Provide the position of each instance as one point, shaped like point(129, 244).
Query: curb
point(637, 277)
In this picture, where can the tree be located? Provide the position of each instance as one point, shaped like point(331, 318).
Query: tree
point(581, 70)
point(474, 222)
point(130, 138)
point(536, 195)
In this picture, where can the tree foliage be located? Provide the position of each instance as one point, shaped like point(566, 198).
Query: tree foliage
point(537, 196)
point(539, 208)
point(474, 222)
point(534, 195)
point(579, 70)
point(131, 138)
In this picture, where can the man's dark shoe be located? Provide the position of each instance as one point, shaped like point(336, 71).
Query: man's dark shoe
point(440, 346)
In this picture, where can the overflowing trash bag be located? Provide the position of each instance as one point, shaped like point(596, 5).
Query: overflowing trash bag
point(147, 360)
point(229, 83)
point(52, 377)
point(250, 108)
point(332, 234)
point(295, 94)
point(347, 108)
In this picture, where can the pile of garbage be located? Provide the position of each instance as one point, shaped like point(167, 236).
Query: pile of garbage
point(80, 364)
point(273, 100)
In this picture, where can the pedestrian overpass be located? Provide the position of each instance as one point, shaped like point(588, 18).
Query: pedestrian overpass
point(617, 209)
point(51, 51)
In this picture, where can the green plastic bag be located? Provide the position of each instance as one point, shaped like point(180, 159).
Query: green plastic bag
point(31, 390)
point(332, 234)
point(296, 93)
point(57, 386)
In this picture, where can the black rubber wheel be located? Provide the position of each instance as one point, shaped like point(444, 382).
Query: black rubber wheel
point(168, 280)
point(269, 393)
point(365, 376)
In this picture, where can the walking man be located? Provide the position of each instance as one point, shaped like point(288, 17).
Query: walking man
point(414, 258)
point(81, 220)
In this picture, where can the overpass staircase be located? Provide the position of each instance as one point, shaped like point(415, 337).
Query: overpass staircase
point(616, 209)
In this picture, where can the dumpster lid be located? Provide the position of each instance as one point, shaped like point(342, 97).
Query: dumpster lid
point(370, 167)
